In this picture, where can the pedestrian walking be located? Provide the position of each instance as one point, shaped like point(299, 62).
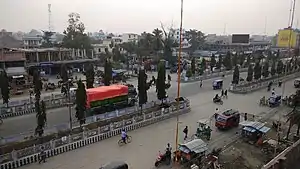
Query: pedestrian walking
point(222, 93)
point(245, 117)
point(216, 113)
point(225, 94)
point(185, 131)
point(200, 83)
point(42, 156)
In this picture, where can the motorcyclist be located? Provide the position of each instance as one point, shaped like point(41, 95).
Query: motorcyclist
point(124, 135)
point(217, 98)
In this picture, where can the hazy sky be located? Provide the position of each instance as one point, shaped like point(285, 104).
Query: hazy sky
point(210, 16)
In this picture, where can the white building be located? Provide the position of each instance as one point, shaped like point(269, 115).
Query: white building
point(33, 39)
point(130, 37)
point(218, 39)
point(97, 35)
point(175, 33)
point(108, 43)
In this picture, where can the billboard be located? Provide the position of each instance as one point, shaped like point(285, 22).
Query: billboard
point(283, 38)
point(240, 38)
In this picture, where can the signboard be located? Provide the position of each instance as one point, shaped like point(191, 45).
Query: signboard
point(286, 38)
point(240, 38)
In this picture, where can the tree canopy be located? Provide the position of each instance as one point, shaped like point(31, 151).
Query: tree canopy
point(160, 82)
point(197, 39)
point(90, 76)
point(4, 87)
point(80, 102)
point(75, 36)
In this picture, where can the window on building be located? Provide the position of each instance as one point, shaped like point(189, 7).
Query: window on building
point(177, 33)
point(99, 50)
point(129, 36)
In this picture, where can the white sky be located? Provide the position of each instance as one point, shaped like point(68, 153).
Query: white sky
point(210, 16)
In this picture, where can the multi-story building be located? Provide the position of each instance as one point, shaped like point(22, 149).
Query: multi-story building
point(108, 43)
point(33, 39)
point(175, 33)
point(3, 32)
point(130, 37)
point(97, 35)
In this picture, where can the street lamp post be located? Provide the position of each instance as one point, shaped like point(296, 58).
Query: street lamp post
point(178, 77)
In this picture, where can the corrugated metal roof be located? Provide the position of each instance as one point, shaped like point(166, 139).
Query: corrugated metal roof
point(197, 146)
point(252, 126)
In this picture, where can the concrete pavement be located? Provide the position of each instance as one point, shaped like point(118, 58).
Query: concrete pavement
point(147, 141)
point(26, 124)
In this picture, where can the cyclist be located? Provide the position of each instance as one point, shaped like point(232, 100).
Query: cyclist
point(124, 136)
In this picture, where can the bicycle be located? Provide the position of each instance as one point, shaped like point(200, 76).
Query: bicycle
point(128, 140)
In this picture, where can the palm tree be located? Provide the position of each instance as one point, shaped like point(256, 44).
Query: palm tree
point(294, 115)
point(157, 40)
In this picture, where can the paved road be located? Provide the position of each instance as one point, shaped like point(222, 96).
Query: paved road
point(141, 153)
point(60, 117)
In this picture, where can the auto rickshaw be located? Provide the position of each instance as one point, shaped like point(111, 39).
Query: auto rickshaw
point(191, 152)
point(274, 100)
point(203, 130)
point(217, 84)
point(228, 119)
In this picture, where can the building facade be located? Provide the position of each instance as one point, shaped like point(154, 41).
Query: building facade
point(33, 39)
point(130, 37)
point(175, 34)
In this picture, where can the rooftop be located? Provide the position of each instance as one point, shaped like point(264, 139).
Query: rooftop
point(10, 42)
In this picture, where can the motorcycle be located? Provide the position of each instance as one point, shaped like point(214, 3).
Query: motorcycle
point(162, 158)
point(220, 101)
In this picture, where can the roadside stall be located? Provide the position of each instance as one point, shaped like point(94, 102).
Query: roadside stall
point(254, 132)
point(191, 152)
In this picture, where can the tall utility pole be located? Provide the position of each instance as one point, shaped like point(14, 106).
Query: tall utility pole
point(290, 27)
point(224, 30)
point(178, 77)
point(49, 18)
point(290, 12)
point(265, 29)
